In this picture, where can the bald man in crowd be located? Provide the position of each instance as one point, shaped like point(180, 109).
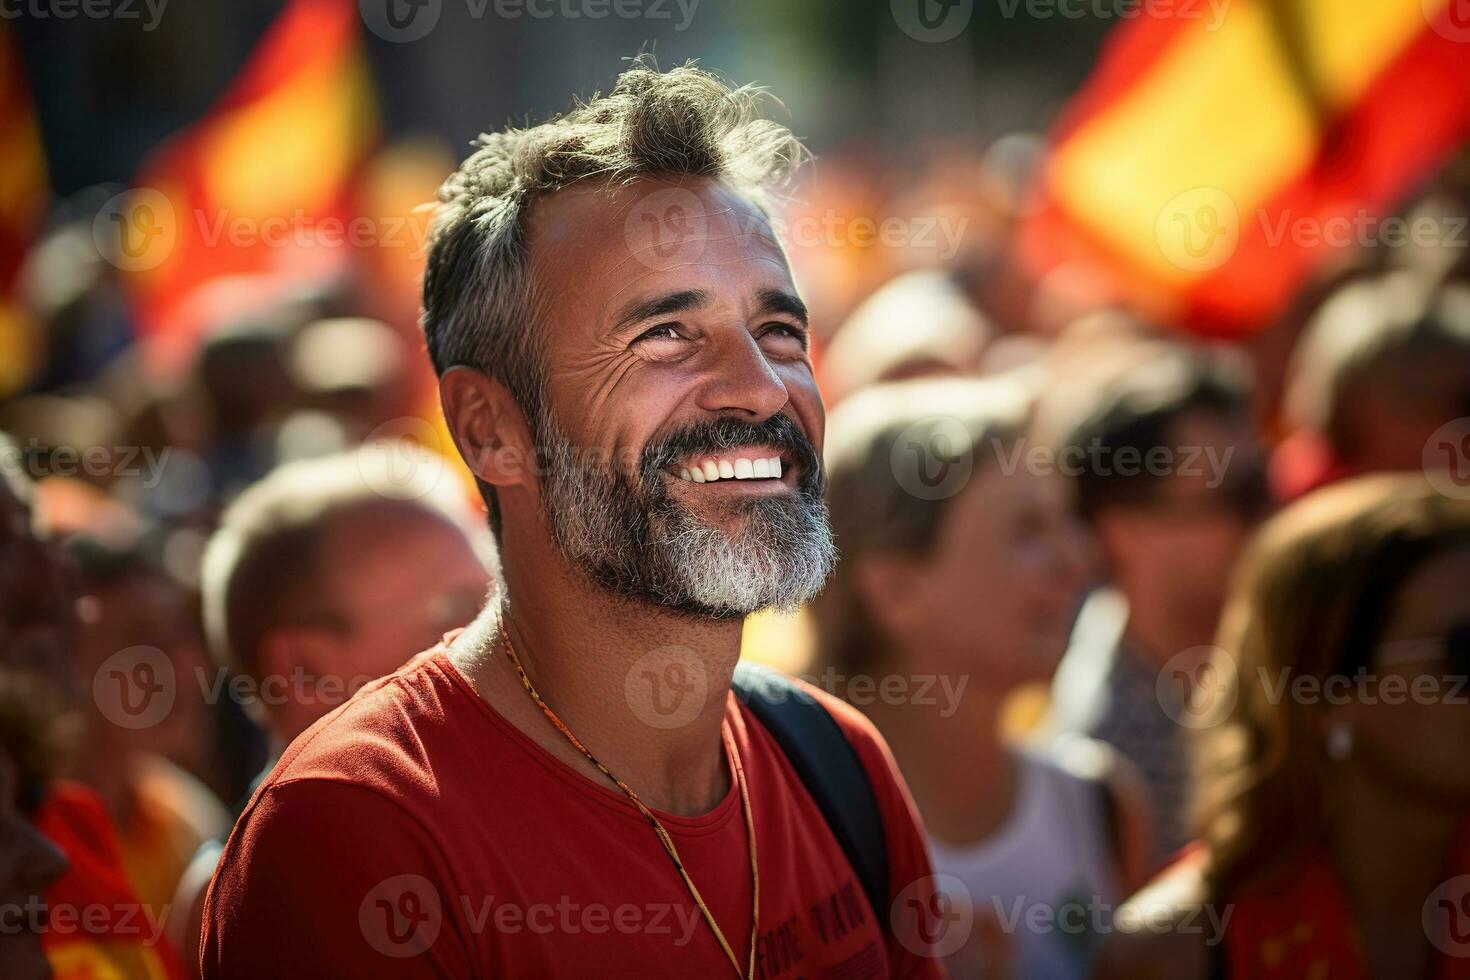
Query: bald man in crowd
point(327, 574)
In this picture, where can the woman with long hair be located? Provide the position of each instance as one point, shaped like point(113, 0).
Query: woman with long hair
point(1334, 755)
point(961, 573)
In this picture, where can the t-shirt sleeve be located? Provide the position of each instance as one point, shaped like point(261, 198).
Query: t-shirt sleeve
point(912, 887)
point(328, 879)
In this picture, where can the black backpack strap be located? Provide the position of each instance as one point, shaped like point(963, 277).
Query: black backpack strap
point(830, 769)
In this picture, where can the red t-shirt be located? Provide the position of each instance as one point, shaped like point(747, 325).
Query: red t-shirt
point(414, 832)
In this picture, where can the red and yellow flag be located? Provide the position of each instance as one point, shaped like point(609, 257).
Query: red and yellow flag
point(24, 192)
point(263, 182)
point(1223, 150)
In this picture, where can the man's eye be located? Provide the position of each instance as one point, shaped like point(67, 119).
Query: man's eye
point(664, 331)
point(785, 330)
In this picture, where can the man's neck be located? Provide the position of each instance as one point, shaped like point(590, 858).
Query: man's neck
point(642, 687)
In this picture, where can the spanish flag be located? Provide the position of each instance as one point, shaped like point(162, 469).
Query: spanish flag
point(24, 192)
point(263, 182)
point(97, 928)
point(1223, 150)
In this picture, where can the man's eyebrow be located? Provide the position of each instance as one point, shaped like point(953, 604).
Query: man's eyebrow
point(646, 309)
point(780, 301)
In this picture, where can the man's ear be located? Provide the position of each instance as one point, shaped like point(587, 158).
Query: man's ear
point(488, 428)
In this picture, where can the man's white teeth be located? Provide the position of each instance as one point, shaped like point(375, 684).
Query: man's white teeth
point(710, 470)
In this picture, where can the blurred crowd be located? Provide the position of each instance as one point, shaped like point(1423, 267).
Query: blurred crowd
point(1090, 551)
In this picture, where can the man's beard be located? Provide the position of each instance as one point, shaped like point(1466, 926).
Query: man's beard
point(632, 537)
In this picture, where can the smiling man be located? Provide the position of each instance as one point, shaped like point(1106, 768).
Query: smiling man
point(569, 787)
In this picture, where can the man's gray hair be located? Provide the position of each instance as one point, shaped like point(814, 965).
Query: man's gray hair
point(480, 305)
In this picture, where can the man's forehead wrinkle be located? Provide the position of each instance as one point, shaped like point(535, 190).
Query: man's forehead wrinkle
point(633, 254)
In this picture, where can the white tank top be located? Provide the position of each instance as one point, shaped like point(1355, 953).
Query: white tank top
point(1038, 884)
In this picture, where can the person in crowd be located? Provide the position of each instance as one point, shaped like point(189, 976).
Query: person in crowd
point(1169, 475)
point(919, 323)
point(960, 577)
point(38, 638)
point(1334, 782)
point(161, 811)
point(29, 862)
point(624, 366)
point(332, 572)
point(325, 575)
point(1383, 366)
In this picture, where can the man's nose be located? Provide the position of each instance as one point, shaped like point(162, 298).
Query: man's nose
point(742, 382)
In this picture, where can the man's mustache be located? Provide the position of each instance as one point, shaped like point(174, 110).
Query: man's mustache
point(725, 435)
